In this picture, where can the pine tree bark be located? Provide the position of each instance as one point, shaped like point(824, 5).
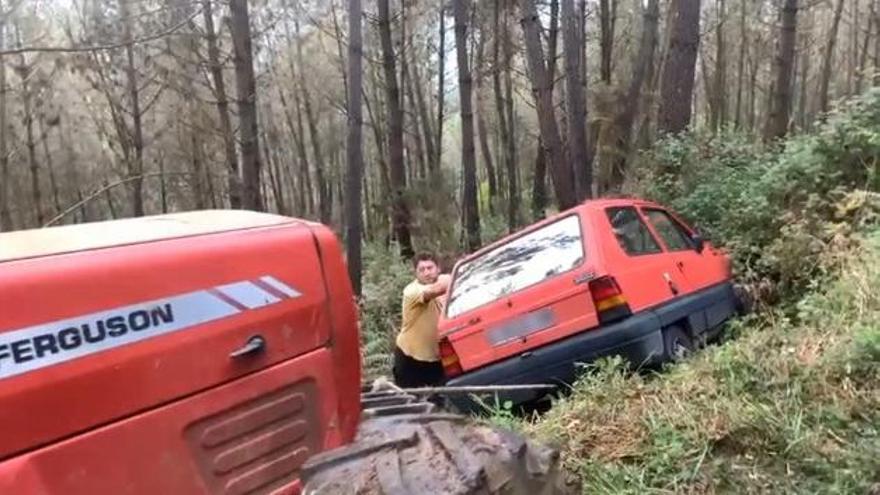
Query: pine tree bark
point(542, 88)
point(863, 55)
point(626, 118)
point(136, 163)
point(354, 146)
point(503, 125)
point(607, 20)
point(828, 58)
point(400, 214)
point(677, 83)
point(470, 209)
point(482, 132)
point(220, 95)
point(740, 65)
point(777, 123)
point(325, 209)
point(441, 89)
point(805, 75)
point(581, 163)
point(50, 165)
point(247, 105)
point(5, 216)
point(719, 115)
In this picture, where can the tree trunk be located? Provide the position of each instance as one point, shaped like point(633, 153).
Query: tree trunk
point(135, 167)
point(777, 123)
point(354, 147)
point(805, 76)
point(863, 56)
point(324, 203)
point(415, 133)
point(470, 209)
point(50, 167)
point(829, 58)
point(400, 216)
point(677, 84)
point(607, 20)
point(247, 105)
point(581, 164)
point(5, 216)
point(542, 87)
point(163, 190)
point(719, 114)
point(876, 14)
point(630, 105)
point(740, 65)
point(504, 127)
point(539, 189)
point(441, 88)
point(482, 133)
point(219, 90)
point(300, 138)
point(427, 130)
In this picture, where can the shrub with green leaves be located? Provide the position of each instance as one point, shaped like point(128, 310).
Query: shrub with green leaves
point(775, 208)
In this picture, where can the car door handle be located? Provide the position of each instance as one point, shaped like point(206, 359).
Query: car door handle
point(254, 345)
point(680, 264)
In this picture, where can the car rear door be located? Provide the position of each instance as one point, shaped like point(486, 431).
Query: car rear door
point(702, 269)
point(645, 272)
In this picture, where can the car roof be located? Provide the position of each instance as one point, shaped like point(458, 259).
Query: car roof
point(590, 204)
point(96, 235)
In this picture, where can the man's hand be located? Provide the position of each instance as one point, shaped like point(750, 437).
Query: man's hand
point(438, 288)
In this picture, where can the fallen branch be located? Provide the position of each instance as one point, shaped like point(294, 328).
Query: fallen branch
point(98, 48)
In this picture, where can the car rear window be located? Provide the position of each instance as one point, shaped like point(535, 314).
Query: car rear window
point(527, 260)
point(631, 232)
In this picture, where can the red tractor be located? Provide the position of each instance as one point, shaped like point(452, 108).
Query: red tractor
point(214, 352)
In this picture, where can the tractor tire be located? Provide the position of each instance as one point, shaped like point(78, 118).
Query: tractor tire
point(435, 453)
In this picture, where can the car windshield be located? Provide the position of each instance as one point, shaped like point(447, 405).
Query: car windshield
point(553, 249)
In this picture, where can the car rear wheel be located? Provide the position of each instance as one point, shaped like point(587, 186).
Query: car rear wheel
point(677, 344)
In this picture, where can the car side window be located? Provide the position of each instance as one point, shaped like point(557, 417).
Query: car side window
point(631, 232)
point(674, 235)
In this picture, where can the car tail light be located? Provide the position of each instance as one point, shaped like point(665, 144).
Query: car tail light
point(610, 302)
point(451, 364)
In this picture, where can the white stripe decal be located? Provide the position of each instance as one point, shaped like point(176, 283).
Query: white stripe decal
point(248, 294)
point(35, 347)
point(281, 286)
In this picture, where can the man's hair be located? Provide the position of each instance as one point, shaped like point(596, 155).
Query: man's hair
point(424, 256)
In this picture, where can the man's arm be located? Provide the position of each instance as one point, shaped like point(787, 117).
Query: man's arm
point(424, 294)
point(437, 289)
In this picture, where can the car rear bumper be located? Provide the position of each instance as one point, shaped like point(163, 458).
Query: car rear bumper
point(638, 338)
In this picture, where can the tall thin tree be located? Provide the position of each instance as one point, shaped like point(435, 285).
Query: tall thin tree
point(470, 210)
point(780, 110)
point(581, 164)
point(560, 172)
point(354, 145)
point(400, 214)
point(677, 83)
point(246, 87)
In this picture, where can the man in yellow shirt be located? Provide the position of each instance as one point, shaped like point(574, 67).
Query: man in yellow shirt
point(417, 356)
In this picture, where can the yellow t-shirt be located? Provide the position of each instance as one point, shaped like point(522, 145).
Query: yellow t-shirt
point(418, 332)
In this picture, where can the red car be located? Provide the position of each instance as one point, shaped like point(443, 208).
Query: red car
point(608, 277)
